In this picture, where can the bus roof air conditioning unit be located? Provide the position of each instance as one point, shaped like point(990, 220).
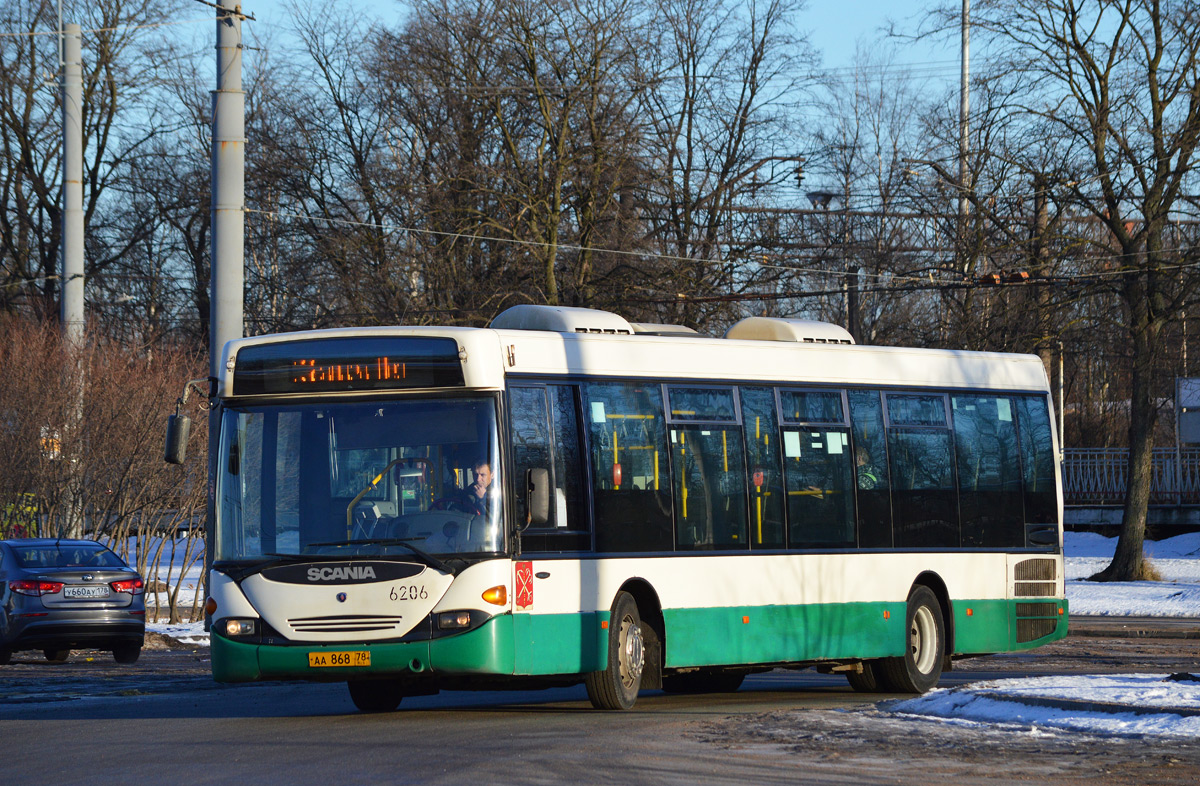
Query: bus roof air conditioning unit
point(805, 331)
point(561, 319)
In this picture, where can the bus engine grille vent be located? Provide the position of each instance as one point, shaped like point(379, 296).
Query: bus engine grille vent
point(1035, 620)
point(1035, 578)
point(1035, 570)
point(344, 623)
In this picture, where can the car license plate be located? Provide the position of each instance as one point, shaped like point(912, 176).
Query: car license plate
point(353, 658)
point(89, 593)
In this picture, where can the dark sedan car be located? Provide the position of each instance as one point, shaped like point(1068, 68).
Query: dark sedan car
point(56, 595)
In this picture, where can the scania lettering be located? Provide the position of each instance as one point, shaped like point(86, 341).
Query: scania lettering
point(340, 574)
point(566, 496)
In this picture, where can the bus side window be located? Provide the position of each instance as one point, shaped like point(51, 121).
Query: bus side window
point(920, 453)
point(707, 469)
point(761, 425)
point(989, 471)
point(545, 434)
point(631, 482)
point(1037, 454)
point(530, 420)
point(871, 470)
point(818, 469)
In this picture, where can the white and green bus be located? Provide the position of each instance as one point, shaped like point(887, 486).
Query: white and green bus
point(569, 497)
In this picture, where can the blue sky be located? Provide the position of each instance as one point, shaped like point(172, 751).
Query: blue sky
point(834, 27)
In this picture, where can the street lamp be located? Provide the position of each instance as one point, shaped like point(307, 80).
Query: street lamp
point(822, 200)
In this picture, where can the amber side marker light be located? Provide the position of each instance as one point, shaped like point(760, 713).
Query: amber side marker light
point(497, 596)
point(210, 607)
point(970, 612)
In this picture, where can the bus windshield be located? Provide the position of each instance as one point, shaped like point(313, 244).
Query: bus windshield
point(369, 478)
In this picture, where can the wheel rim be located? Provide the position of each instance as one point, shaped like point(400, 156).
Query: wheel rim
point(922, 640)
point(632, 653)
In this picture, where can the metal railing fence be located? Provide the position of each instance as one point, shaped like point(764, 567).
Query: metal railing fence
point(1097, 476)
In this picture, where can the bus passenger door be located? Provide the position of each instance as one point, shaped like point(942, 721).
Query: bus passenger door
point(554, 634)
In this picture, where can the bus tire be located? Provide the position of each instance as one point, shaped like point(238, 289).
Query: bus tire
point(920, 667)
point(616, 688)
point(375, 695)
point(869, 679)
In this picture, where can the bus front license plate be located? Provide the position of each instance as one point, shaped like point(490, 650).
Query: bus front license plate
point(351, 659)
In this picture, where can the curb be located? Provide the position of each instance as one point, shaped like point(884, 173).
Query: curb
point(1139, 628)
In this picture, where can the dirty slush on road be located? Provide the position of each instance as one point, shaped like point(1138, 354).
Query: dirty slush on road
point(883, 747)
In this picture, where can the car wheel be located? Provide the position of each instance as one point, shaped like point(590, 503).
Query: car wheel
point(919, 668)
point(616, 688)
point(56, 656)
point(127, 653)
point(375, 695)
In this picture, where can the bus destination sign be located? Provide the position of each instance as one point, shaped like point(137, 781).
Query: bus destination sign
point(347, 364)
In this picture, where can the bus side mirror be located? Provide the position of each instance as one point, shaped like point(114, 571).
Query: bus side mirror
point(537, 496)
point(179, 427)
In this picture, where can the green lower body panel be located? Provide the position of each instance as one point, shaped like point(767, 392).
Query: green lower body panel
point(561, 643)
point(543, 644)
point(982, 626)
point(486, 650)
point(780, 634)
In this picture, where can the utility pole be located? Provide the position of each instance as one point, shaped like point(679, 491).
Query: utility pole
point(226, 281)
point(964, 112)
point(71, 305)
point(228, 187)
point(71, 284)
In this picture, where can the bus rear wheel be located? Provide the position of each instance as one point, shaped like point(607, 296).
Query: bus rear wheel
point(616, 688)
point(375, 695)
point(869, 680)
point(920, 667)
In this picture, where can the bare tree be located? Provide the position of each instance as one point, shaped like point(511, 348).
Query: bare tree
point(1115, 86)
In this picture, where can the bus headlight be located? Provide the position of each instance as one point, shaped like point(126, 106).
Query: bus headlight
point(454, 620)
point(235, 627)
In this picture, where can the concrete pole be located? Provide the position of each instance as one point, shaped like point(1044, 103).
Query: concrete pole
point(228, 162)
point(964, 114)
point(71, 304)
point(228, 187)
point(71, 315)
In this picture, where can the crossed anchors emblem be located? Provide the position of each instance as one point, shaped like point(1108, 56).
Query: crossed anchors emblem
point(524, 585)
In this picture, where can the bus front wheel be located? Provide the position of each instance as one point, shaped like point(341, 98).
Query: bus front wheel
point(616, 688)
point(375, 695)
point(920, 667)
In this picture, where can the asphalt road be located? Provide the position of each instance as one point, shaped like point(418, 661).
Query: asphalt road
point(91, 721)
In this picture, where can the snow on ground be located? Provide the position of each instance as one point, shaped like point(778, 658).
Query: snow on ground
point(186, 632)
point(1177, 559)
point(1041, 703)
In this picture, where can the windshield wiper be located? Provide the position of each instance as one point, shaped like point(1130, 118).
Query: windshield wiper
point(425, 556)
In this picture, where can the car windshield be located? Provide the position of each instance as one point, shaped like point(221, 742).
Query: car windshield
point(67, 555)
point(368, 478)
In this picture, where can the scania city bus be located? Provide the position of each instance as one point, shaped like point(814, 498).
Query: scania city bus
point(568, 497)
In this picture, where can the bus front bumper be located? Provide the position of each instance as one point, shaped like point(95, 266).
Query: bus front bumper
point(485, 650)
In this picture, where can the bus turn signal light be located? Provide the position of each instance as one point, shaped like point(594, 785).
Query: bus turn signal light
point(497, 596)
point(210, 606)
